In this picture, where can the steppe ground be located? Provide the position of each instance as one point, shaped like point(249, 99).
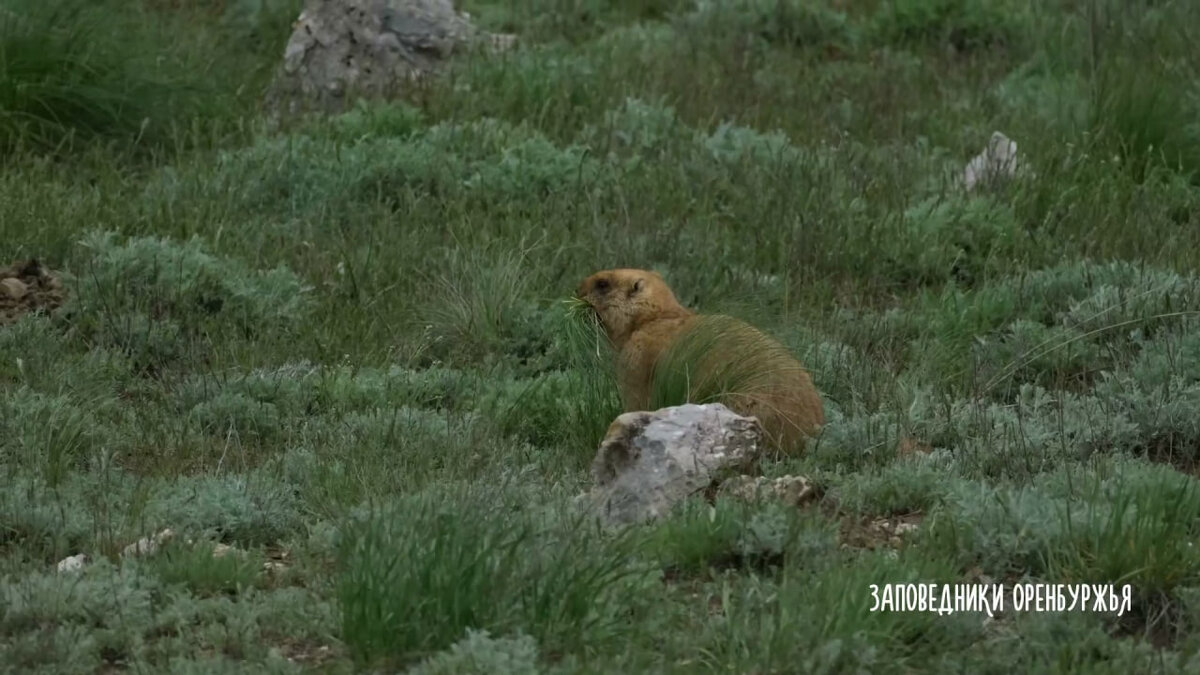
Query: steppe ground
point(340, 347)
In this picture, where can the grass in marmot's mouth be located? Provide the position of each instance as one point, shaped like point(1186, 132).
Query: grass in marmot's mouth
point(592, 357)
point(580, 309)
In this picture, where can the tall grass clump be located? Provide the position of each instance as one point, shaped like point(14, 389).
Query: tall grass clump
point(1144, 117)
point(80, 70)
point(478, 307)
point(768, 626)
point(571, 406)
point(416, 575)
point(53, 433)
point(965, 25)
point(591, 355)
point(1139, 544)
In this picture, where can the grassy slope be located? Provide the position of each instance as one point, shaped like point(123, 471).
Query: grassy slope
point(345, 342)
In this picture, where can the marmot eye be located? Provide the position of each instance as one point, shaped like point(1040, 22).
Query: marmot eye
point(602, 284)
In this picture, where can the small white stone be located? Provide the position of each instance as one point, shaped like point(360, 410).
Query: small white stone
point(998, 160)
point(222, 550)
point(73, 563)
point(148, 545)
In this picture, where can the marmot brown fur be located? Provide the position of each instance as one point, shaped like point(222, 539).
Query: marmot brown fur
point(738, 365)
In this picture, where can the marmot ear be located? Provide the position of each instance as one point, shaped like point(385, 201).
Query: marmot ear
point(637, 286)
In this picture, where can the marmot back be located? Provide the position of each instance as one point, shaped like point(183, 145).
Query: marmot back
point(667, 354)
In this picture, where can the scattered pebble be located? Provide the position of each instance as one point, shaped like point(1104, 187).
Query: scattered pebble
point(73, 563)
point(791, 490)
point(148, 545)
point(13, 289)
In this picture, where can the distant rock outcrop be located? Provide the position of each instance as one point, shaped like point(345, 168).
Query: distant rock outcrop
point(341, 50)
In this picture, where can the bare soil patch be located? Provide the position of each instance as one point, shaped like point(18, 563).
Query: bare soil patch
point(27, 287)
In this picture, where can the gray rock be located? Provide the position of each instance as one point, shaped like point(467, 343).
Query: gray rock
point(996, 163)
point(341, 50)
point(73, 563)
point(650, 461)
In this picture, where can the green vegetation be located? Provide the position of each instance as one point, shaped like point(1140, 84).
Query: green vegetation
point(341, 347)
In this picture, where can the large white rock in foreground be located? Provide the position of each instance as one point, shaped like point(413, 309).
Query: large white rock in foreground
point(650, 461)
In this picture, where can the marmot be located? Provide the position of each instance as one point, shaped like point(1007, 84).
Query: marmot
point(666, 354)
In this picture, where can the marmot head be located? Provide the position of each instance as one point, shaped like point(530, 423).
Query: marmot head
point(626, 298)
